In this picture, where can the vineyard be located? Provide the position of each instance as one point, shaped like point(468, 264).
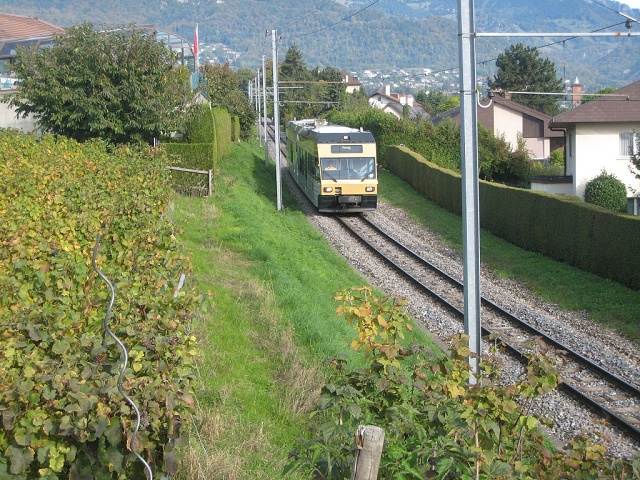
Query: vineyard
point(61, 409)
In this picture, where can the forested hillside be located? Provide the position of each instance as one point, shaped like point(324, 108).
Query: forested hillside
point(383, 36)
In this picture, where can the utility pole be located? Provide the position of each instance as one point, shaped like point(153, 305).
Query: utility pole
point(276, 118)
point(469, 150)
point(264, 104)
point(259, 105)
point(470, 186)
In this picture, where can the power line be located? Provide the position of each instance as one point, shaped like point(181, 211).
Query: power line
point(337, 23)
point(482, 62)
point(307, 15)
point(617, 11)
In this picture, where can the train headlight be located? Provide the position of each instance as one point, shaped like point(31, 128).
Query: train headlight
point(327, 189)
point(370, 189)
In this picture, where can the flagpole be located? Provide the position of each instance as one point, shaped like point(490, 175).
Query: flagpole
point(196, 64)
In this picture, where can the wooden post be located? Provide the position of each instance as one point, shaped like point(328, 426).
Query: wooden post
point(369, 441)
point(210, 178)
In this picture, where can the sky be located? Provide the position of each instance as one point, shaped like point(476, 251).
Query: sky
point(632, 3)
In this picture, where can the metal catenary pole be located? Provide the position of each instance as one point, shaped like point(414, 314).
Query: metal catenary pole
point(276, 119)
point(264, 105)
point(470, 186)
point(469, 150)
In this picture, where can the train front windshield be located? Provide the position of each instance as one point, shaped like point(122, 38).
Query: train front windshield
point(350, 168)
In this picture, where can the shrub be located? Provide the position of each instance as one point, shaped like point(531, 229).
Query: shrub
point(436, 424)
point(607, 191)
point(199, 125)
point(557, 157)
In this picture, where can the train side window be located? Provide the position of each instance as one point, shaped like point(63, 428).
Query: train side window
point(314, 170)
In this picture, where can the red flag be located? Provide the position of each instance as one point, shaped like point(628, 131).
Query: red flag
point(195, 43)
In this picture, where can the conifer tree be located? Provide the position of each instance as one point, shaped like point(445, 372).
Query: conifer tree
point(520, 69)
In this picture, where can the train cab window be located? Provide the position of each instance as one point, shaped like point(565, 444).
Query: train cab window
point(349, 168)
point(331, 168)
point(363, 167)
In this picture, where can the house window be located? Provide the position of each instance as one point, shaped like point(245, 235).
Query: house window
point(627, 146)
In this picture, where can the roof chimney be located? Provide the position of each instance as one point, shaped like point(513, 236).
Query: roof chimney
point(387, 90)
point(576, 90)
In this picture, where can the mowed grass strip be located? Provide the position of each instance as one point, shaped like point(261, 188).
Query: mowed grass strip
point(607, 302)
point(270, 280)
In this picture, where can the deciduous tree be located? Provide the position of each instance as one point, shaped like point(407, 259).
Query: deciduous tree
point(117, 84)
point(222, 86)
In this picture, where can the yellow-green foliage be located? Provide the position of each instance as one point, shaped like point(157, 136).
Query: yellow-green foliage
point(222, 125)
point(63, 416)
point(437, 424)
point(564, 228)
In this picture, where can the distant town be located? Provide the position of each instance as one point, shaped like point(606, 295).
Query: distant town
point(400, 80)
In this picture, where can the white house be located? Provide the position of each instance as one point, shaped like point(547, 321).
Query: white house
point(598, 136)
point(19, 31)
point(394, 103)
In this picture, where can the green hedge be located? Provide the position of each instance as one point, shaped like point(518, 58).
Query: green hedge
point(62, 414)
point(199, 156)
point(564, 228)
point(208, 137)
point(196, 156)
point(235, 128)
point(438, 184)
point(222, 127)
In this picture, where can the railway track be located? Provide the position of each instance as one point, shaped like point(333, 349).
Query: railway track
point(609, 394)
point(613, 396)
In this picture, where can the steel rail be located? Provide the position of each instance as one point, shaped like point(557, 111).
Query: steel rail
point(628, 428)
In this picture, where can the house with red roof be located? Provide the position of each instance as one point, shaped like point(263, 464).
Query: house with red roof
point(19, 31)
point(599, 135)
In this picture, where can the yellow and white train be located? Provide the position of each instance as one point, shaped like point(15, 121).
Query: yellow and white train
point(335, 166)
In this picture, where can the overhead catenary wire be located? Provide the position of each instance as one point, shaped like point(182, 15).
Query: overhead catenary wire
point(491, 60)
point(617, 11)
point(484, 62)
point(307, 15)
point(344, 19)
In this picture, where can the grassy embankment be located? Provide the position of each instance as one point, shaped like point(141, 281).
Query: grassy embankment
point(271, 279)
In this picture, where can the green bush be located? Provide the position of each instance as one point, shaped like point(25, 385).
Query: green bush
point(607, 191)
point(222, 126)
point(557, 157)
